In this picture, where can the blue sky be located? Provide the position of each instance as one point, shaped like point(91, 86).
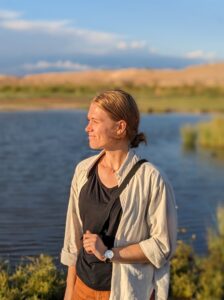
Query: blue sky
point(43, 36)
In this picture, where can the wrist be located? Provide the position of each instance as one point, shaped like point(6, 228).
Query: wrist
point(108, 255)
point(103, 253)
point(70, 282)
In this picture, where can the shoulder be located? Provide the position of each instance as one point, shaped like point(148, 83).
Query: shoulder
point(86, 163)
point(158, 185)
point(83, 166)
point(154, 174)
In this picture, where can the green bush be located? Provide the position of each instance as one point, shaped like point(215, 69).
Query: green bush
point(38, 279)
point(200, 278)
point(211, 283)
point(184, 273)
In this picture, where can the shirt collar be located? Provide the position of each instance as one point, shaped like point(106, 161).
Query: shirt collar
point(125, 167)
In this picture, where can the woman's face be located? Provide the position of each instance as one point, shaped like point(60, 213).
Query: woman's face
point(101, 129)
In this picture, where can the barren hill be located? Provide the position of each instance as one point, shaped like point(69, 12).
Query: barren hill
point(206, 75)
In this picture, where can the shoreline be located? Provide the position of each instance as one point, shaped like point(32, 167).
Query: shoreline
point(76, 108)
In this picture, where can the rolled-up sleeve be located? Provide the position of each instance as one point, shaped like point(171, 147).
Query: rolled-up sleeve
point(162, 222)
point(73, 231)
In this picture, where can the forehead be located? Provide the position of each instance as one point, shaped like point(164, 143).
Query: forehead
point(96, 112)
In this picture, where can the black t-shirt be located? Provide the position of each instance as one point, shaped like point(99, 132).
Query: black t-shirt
point(93, 206)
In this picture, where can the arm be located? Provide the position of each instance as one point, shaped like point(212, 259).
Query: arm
point(72, 243)
point(162, 221)
point(129, 254)
point(73, 232)
point(70, 282)
point(161, 218)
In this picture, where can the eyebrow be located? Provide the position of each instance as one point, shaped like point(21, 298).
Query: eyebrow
point(88, 118)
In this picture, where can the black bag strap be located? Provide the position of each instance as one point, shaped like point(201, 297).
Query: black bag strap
point(117, 193)
point(131, 173)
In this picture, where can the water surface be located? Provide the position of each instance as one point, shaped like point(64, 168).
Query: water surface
point(38, 154)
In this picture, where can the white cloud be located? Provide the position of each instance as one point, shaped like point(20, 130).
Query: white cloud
point(9, 14)
point(11, 20)
point(126, 45)
point(138, 44)
point(54, 44)
point(61, 27)
point(65, 65)
point(70, 39)
point(23, 25)
point(153, 50)
point(200, 54)
point(122, 45)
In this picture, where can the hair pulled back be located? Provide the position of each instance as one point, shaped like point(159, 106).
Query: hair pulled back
point(121, 106)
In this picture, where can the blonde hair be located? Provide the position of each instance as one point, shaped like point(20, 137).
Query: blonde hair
point(121, 106)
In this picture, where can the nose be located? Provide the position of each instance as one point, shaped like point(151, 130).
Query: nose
point(88, 127)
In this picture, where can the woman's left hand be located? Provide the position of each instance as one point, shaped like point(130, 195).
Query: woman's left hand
point(93, 244)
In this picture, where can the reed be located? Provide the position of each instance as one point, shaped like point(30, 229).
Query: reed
point(211, 134)
point(208, 134)
point(189, 136)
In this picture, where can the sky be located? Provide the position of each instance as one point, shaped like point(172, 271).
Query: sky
point(74, 35)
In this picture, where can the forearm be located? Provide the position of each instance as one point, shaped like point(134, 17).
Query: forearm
point(71, 276)
point(93, 244)
point(129, 254)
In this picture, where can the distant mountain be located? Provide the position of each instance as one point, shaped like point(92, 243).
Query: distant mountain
point(206, 75)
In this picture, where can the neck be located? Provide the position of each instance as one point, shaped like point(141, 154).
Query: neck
point(114, 159)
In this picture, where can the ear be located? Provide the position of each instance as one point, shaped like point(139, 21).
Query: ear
point(121, 128)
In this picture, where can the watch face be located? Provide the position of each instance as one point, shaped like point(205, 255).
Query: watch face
point(109, 254)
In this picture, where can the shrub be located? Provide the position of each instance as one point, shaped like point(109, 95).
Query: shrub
point(38, 279)
point(211, 282)
point(184, 272)
point(200, 278)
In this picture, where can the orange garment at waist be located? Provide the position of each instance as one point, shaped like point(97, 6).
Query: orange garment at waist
point(83, 292)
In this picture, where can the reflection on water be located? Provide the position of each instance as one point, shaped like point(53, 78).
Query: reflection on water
point(38, 153)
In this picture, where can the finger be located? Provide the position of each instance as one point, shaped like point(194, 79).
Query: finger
point(90, 237)
point(87, 234)
point(88, 243)
point(88, 249)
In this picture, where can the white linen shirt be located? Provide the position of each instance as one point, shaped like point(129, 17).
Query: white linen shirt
point(148, 218)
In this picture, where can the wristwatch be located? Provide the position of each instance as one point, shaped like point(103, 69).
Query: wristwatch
point(108, 255)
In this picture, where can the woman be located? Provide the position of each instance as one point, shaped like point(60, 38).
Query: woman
point(117, 242)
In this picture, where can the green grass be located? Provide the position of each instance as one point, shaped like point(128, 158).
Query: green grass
point(208, 134)
point(149, 99)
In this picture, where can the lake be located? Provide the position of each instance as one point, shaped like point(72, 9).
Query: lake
point(38, 154)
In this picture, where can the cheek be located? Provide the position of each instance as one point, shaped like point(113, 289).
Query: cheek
point(109, 133)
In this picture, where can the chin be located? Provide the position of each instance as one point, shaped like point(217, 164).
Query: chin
point(94, 147)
